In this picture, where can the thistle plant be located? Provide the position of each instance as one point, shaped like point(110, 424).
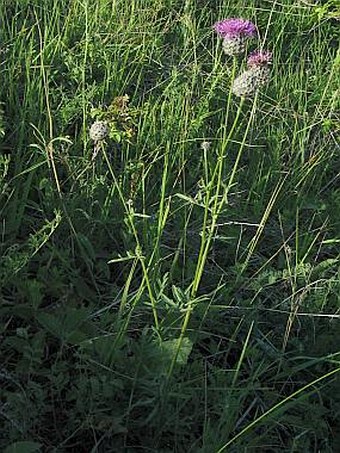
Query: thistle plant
point(115, 122)
point(256, 76)
point(235, 34)
point(119, 117)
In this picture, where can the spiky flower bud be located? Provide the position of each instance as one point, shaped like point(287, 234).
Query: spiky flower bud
point(257, 75)
point(99, 131)
point(247, 83)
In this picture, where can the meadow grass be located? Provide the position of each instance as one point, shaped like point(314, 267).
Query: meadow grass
point(174, 288)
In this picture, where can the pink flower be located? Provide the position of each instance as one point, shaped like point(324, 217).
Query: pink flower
point(234, 28)
point(259, 58)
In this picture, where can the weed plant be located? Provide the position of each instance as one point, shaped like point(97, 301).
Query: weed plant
point(169, 282)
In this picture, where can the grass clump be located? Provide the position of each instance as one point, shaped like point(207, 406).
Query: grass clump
point(169, 226)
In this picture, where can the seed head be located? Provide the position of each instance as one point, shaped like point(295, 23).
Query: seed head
point(99, 131)
point(232, 28)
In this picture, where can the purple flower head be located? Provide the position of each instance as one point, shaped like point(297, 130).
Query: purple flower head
point(234, 28)
point(259, 58)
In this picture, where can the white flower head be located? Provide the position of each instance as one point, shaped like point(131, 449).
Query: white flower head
point(99, 131)
point(205, 145)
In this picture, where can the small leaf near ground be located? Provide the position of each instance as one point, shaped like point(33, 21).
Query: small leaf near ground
point(171, 347)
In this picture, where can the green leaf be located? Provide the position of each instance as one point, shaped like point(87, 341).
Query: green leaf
point(65, 325)
point(324, 266)
point(171, 348)
point(87, 246)
point(23, 447)
point(51, 323)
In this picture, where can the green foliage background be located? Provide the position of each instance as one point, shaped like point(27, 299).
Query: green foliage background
point(159, 297)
